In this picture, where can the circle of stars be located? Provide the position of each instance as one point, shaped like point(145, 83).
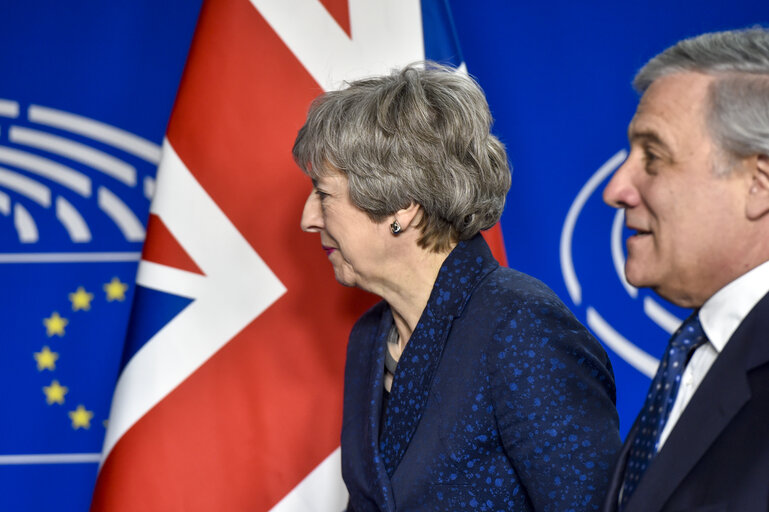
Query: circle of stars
point(55, 325)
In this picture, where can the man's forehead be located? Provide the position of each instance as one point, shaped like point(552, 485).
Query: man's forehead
point(672, 102)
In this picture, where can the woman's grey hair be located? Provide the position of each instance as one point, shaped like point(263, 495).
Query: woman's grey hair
point(738, 99)
point(420, 135)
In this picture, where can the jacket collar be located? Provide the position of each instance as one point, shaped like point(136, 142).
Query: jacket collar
point(460, 274)
point(718, 399)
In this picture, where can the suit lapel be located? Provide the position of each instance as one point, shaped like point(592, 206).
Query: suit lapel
point(464, 268)
point(618, 476)
point(377, 478)
point(717, 400)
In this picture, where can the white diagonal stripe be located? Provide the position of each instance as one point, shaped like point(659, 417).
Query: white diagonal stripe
point(171, 280)
point(384, 35)
point(322, 490)
point(96, 130)
point(238, 286)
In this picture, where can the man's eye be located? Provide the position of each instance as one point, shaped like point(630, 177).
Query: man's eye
point(650, 161)
point(649, 155)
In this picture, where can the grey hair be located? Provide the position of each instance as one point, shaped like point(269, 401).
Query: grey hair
point(420, 135)
point(738, 99)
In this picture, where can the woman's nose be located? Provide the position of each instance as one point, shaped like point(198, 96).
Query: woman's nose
point(312, 217)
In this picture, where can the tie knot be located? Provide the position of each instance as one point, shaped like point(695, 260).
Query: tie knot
point(690, 335)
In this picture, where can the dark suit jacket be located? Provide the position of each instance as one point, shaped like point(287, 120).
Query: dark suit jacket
point(717, 455)
point(501, 400)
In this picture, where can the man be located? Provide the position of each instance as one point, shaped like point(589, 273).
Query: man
point(695, 190)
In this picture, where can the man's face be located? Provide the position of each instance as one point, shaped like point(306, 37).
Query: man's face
point(688, 221)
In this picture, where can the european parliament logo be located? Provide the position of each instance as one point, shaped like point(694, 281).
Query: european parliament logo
point(74, 199)
point(627, 320)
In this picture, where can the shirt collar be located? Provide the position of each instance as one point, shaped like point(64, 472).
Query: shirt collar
point(727, 308)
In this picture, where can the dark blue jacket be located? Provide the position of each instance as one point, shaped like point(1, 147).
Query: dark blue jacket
point(501, 400)
point(717, 455)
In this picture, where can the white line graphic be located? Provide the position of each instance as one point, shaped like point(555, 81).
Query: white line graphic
point(26, 187)
point(636, 357)
point(149, 187)
point(54, 171)
point(96, 130)
point(617, 256)
point(5, 204)
point(99, 160)
point(9, 108)
point(72, 220)
point(70, 257)
point(567, 263)
point(25, 225)
point(661, 316)
point(50, 458)
point(132, 229)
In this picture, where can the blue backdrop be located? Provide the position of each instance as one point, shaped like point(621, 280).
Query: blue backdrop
point(85, 95)
point(557, 76)
point(558, 79)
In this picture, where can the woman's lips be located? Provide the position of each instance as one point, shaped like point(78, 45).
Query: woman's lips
point(328, 250)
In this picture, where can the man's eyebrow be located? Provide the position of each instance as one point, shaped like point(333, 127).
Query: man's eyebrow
point(646, 136)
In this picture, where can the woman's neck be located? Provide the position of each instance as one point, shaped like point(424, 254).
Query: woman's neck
point(409, 288)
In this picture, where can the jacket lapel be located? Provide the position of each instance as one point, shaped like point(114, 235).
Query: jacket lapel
point(717, 400)
point(464, 268)
point(610, 503)
point(380, 478)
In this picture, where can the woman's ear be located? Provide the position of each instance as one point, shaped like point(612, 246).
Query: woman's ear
point(757, 204)
point(409, 216)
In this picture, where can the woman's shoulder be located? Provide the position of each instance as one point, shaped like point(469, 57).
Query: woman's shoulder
point(372, 319)
point(513, 287)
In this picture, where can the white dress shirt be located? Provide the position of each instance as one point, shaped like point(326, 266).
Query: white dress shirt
point(720, 316)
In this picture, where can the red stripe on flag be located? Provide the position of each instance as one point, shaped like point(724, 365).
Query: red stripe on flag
point(254, 420)
point(161, 247)
point(340, 10)
point(496, 243)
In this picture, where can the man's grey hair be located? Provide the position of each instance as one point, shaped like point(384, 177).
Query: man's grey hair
point(738, 99)
point(418, 135)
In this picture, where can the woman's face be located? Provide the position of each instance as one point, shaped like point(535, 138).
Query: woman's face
point(355, 245)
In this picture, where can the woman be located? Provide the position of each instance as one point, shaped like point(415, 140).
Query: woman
point(470, 386)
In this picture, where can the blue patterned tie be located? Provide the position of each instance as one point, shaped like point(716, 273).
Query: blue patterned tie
point(659, 402)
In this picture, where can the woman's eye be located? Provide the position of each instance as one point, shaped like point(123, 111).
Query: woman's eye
point(321, 195)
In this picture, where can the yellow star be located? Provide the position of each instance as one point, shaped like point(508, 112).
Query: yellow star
point(81, 417)
point(54, 394)
point(81, 299)
point(115, 289)
point(46, 360)
point(55, 324)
